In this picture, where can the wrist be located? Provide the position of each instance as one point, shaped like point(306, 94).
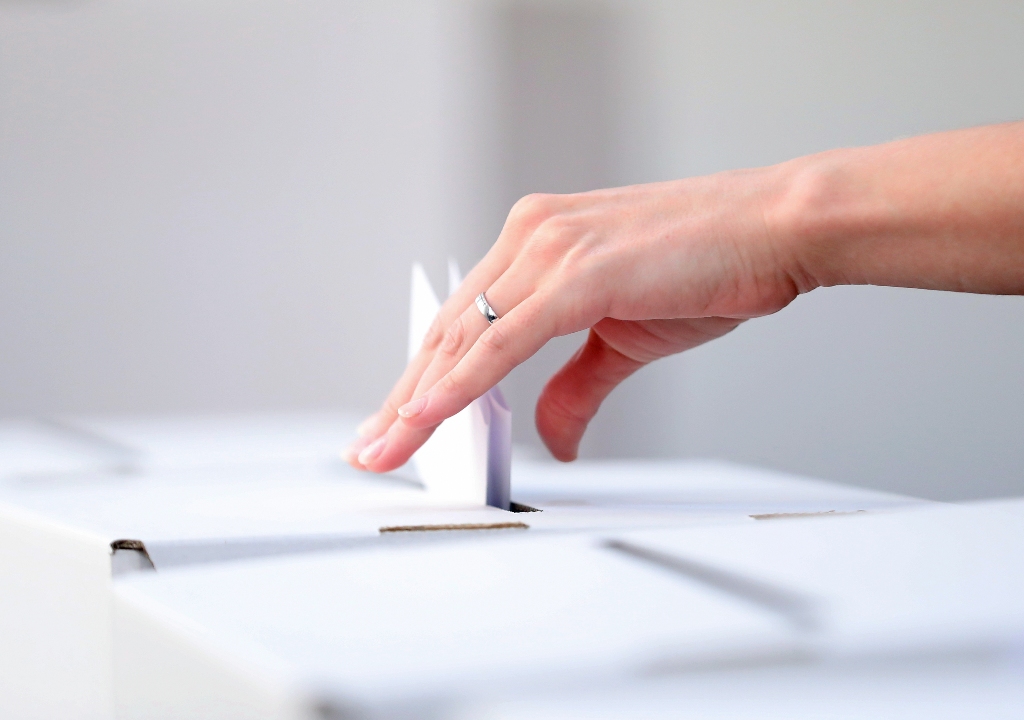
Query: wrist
point(813, 216)
point(939, 211)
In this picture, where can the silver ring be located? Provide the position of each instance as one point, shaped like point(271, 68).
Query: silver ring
point(486, 309)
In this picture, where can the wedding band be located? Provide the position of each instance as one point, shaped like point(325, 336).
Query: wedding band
point(486, 309)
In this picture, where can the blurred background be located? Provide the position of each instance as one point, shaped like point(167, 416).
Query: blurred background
point(213, 206)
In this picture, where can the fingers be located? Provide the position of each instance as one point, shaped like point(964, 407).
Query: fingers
point(440, 359)
point(394, 448)
point(504, 295)
point(614, 350)
point(460, 337)
point(501, 346)
point(573, 395)
point(524, 218)
point(403, 439)
point(378, 423)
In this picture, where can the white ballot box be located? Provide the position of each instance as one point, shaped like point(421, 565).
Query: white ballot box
point(870, 606)
point(407, 631)
point(942, 577)
point(84, 500)
point(916, 614)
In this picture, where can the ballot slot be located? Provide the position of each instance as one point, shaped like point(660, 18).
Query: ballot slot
point(454, 527)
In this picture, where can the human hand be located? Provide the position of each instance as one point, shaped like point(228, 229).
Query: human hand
point(652, 270)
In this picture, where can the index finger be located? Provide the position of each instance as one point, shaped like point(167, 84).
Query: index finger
point(522, 220)
point(504, 345)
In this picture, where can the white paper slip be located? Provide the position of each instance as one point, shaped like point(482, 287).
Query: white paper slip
point(940, 576)
point(468, 459)
point(381, 630)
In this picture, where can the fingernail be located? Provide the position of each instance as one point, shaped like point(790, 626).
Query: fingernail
point(413, 408)
point(370, 453)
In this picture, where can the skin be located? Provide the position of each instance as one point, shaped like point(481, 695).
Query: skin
point(657, 269)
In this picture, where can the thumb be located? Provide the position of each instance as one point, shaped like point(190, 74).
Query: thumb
point(572, 396)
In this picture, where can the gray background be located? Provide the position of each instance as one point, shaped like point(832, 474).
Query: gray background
point(213, 206)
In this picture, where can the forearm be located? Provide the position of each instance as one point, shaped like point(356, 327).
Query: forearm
point(943, 211)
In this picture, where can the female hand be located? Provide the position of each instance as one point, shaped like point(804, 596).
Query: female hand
point(652, 270)
point(657, 269)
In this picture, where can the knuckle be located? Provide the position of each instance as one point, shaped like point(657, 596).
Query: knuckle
point(391, 406)
point(453, 338)
point(495, 339)
point(451, 385)
point(557, 405)
point(532, 206)
point(553, 239)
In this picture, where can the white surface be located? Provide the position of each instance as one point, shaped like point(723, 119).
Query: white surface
point(239, 439)
point(907, 688)
point(55, 638)
point(235, 486)
point(381, 628)
point(247, 502)
point(693, 485)
point(37, 447)
point(937, 577)
point(221, 487)
point(919, 613)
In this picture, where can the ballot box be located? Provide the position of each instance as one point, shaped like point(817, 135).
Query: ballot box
point(946, 578)
point(85, 500)
point(408, 631)
point(915, 614)
point(901, 610)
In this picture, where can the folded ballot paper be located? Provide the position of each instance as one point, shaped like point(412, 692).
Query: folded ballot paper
point(468, 459)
